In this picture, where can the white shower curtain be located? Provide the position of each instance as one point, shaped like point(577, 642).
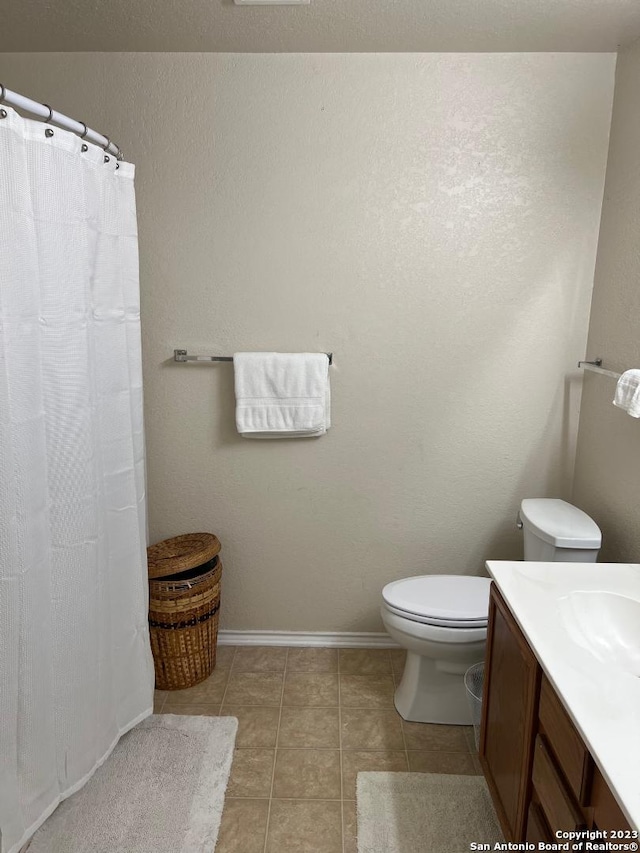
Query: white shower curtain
point(75, 662)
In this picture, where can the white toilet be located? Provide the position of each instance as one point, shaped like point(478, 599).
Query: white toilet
point(441, 620)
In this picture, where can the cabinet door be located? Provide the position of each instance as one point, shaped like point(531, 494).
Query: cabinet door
point(512, 686)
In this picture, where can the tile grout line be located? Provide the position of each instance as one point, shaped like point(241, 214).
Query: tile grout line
point(340, 754)
point(226, 687)
point(404, 739)
point(292, 799)
point(245, 704)
point(337, 749)
point(275, 752)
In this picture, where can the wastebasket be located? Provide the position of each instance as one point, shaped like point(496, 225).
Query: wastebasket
point(473, 681)
point(184, 600)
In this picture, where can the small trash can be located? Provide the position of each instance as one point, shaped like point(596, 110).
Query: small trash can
point(184, 604)
point(473, 681)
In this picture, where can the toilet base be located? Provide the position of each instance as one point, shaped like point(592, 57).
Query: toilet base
point(426, 694)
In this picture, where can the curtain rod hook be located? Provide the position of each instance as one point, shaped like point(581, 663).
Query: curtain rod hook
point(48, 118)
point(3, 92)
point(85, 131)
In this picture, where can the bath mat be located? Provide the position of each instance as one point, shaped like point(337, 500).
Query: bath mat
point(424, 813)
point(160, 791)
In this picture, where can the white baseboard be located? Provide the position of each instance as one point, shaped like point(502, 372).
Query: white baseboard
point(337, 639)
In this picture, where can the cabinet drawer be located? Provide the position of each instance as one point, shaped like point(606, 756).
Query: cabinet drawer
point(557, 803)
point(565, 742)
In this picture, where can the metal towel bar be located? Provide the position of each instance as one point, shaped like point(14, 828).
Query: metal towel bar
point(595, 367)
point(181, 355)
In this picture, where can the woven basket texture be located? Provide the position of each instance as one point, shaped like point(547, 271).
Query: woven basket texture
point(183, 623)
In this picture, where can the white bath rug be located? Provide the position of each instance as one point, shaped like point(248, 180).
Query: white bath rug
point(160, 791)
point(423, 813)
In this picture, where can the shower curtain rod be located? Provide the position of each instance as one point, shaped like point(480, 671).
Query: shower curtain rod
point(50, 116)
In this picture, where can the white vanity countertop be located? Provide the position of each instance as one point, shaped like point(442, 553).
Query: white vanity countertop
point(602, 700)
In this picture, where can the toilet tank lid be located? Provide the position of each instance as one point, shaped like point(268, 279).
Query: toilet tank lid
point(559, 523)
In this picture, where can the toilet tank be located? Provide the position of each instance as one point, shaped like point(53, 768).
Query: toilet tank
point(555, 531)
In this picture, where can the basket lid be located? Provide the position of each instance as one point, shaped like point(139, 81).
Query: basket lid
point(181, 553)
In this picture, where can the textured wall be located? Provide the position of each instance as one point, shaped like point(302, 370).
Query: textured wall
point(325, 26)
point(432, 219)
point(607, 481)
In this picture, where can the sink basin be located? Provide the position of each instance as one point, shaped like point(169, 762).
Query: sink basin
point(605, 624)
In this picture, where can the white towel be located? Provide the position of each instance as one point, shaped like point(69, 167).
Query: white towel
point(282, 395)
point(628, 393)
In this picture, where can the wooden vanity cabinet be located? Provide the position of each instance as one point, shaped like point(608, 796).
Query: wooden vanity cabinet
point(560, 735)
point(537, 826)
point(605, 811)
point(558, 806)
point(511, 689)
point(538, 769)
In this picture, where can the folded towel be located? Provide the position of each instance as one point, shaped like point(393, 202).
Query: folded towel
point(282, 395)
point(628, 393)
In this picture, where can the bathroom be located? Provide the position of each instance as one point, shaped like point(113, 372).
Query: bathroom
point(451, 208)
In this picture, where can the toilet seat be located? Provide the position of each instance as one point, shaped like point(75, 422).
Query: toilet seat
point(449, 601)
point(443, 623)
point(437, 635)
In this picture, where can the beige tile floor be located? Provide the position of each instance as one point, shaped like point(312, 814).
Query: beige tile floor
point(309, 720)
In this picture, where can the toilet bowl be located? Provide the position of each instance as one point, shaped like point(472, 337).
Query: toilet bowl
point(441, 620)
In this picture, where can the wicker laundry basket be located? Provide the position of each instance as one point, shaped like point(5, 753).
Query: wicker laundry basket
point(184, 601)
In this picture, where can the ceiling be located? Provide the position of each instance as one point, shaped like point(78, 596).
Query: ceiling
point(324, 25)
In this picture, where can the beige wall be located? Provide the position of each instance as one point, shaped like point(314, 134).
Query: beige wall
point(432, 219)
point(607, 480)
